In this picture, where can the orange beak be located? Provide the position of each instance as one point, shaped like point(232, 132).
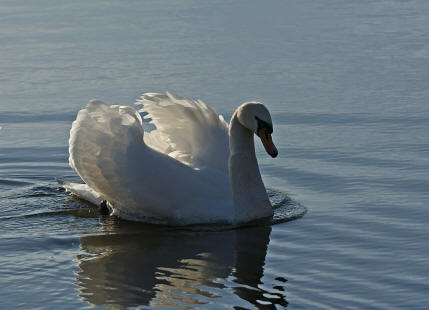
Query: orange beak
point(267, 141)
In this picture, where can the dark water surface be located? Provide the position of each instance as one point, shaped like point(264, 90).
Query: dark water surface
point(347, 85)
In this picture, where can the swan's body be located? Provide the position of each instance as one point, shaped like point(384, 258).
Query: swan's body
point(192, 169)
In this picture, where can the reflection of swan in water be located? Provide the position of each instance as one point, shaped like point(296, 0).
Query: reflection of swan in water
point(175, 268)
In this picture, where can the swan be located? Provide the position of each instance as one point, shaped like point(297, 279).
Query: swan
point(191, 168)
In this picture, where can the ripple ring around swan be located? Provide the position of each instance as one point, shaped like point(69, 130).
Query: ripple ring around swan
point(285, 210)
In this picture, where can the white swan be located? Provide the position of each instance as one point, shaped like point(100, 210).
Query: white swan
point(193, 168)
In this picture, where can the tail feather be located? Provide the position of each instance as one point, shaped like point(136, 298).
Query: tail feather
point(83, 191)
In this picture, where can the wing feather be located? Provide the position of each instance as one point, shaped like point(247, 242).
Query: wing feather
point(187, 130)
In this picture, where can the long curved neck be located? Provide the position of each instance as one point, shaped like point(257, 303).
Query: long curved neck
point(248, 191)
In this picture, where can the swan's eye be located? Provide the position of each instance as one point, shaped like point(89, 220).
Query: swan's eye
point(264, 125)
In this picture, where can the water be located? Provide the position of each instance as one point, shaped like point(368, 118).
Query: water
point(346, 83)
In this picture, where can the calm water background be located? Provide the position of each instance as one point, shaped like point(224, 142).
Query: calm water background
point(347, 85)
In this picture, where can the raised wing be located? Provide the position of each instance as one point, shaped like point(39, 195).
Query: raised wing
point(187, 130)
point(99, 141)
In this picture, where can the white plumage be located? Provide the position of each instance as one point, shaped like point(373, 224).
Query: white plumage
point(177, 173)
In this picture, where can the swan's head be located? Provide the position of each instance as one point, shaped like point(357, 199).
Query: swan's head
point(255, 117)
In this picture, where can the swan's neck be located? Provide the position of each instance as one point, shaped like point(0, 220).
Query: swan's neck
point(248, 191)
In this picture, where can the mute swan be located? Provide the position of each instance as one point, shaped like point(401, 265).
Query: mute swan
point(193, 168)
